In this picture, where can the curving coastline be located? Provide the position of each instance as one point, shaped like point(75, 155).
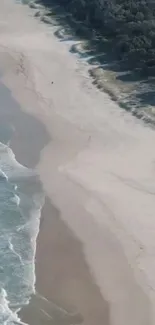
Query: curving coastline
point(96, 169)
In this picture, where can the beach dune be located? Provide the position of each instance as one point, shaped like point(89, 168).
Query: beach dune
point(95, 250)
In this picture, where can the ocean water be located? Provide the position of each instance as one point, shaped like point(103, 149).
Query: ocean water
point(21, 199)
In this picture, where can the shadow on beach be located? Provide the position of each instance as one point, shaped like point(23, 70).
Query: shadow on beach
point(129, 89)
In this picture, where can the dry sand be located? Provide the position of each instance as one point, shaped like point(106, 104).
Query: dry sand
point(97, 234)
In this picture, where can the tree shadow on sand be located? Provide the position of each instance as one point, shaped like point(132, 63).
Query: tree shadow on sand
point(98, 51)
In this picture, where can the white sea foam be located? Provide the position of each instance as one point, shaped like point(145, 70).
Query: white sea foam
point(7, 316)
point(35, 224)
point(14, 251)
point(33, 227)
point(11, 170)
point(15, 187)
point(3, 175)
point(16, 199)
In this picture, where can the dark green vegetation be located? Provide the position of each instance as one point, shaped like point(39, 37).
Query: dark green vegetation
point(128, 25)
point(120, 38)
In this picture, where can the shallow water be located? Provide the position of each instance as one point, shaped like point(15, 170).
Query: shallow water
point(21, 199)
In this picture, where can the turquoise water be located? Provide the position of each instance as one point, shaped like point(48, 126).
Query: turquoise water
point(21, 198)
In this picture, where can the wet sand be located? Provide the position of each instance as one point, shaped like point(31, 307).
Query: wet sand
point(62, 274)
point(63, 277)
point(95, 249)
point(66, 292)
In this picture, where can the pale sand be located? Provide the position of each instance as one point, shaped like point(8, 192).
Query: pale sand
point(98, 170)
point(62, 274)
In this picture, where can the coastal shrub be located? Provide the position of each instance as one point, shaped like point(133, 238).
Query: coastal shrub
point(129, 26)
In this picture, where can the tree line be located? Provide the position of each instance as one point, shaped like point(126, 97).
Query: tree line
point(129, 26)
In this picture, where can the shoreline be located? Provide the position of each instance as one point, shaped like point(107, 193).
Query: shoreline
point(65, 294)
point(62, 304)
point(62, 301)
point(68, 304)
point(127, 94)
point(89, 173)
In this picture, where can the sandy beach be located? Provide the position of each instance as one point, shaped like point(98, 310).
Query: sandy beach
point(95, 258)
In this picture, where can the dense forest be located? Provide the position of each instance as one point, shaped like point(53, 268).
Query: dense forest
point(129, 26)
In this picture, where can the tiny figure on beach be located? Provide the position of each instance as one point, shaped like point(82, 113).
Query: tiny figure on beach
point(52, 82)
